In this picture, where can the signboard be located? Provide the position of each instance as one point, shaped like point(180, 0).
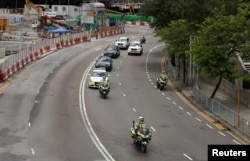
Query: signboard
point(238, 84)
point(88, 17)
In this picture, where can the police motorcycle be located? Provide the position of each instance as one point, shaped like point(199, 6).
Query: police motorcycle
point(141, 136)
point(161, 83)
point(104, 89)
point(142, 39)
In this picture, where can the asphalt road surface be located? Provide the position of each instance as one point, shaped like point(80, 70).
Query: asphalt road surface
point(47, 111)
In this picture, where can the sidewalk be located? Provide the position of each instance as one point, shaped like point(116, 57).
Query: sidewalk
point(220, 97)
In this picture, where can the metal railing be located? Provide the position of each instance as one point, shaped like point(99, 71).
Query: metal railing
point(223, 112)
point(220, 110)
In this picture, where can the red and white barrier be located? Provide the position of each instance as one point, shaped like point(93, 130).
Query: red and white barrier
point(139, 23)
point(43, 47)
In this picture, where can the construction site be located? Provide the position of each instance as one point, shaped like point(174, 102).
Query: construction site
point(29, 33)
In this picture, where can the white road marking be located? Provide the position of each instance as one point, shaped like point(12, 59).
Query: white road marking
point(221, 133)
point(124, 94)
point(153, 128)
point(134, 109)
point(32, 151)
point(98, 49)
point(174, 103)
point(168, 98)
point(180, 108)
point(236, 142)
point(86, 121)
point(209, 126)
point(187, 156)
point(198, 119)
point(189, 113)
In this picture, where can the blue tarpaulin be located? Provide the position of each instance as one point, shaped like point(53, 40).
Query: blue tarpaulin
point(49, 27)
point(60, 30)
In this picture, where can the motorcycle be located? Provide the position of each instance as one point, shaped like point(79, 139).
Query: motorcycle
point(161, 83)
point(142, 39)
point(141, 137)
point(104, 90)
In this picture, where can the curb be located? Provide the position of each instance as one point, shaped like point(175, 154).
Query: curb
point(216, 121)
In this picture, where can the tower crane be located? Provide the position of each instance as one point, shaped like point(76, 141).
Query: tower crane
point(131, 6)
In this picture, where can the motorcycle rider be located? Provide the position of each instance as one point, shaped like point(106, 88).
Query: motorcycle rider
point(104, 84)
point(139, 126)
point(163, 76)
point(143, 39)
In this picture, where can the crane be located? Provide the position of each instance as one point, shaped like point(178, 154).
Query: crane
point(30, 5)
point(131, 6)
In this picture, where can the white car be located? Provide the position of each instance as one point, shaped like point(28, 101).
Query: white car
point(135, 48)
point(122, 42)
point(96, 76)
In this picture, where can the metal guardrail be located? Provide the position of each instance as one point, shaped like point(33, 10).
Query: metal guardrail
point(218, 109)
point(222, 111)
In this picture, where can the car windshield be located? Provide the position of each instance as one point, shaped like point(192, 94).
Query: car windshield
point(135, 44)
point(123, 39)
point(110, 48)
point(99, 74)
point(104, 59)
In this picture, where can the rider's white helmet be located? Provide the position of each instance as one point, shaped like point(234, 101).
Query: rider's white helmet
point(141, 119)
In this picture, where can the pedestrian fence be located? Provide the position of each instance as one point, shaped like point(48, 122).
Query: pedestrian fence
point(22, 53)
point(223, 112)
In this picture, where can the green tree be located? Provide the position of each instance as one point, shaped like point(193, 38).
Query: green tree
point(163, 11)
point(177, 39)
point(217, 41)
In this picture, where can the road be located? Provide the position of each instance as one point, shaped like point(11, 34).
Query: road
point(47, 112)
